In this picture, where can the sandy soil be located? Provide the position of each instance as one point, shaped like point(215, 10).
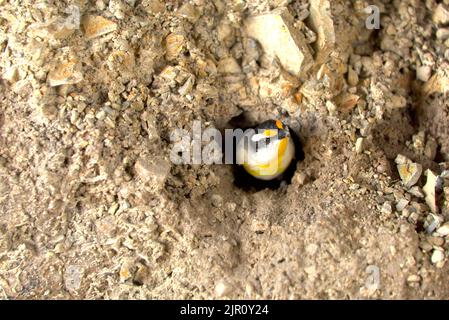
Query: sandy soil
point(91, 207)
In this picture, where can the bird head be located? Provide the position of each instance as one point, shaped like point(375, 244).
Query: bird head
point(269, 133)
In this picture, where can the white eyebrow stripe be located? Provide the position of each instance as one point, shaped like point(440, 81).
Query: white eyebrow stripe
point(258, 137)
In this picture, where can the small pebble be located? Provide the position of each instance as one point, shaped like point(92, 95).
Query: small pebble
point(440, 15)
point(436, 241)
point(401, 204)
point(401, 159)
point(414, 278)
point(444, 230)
point(216, 200)
point(433, 225)
point(437, 256)
point(300, 178)
point(230, 206)
point(72, 277)
point(359, 145)
point(425, 246)
point(387, 208)
point(442, 34)
point(423, 73)
point(222, 289)
point(416, 191)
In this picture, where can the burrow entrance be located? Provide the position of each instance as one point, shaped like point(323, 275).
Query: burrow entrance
point(244, 180)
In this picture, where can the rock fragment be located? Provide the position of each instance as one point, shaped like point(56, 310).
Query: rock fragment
point(413, 278)
point(387, 208)
point(11, 74)
point(126, 269)
point(401, 159)
point(359, 145)
point(423, 73)
point(223, 288)
point(279, 38)
point(174, 44)
point(435, 241)
point(216, 200)
point(416, 191)
point(434, 223)
point(189, 12)
point(149, 124)
point(228, 65)
point(118, 8)
point(437, 256)
point(67, 72)
point(401, 204)
point(72, 277)
point(278, 90)
point(333, 35)
point(346, 102)
point(430, 190)
point(440, 15)
point(397, 102)
point(152, 171)
point(430, 150)
point(438, 83)
point(187, 87)
point(153, 6)
point(300, 178)
point(443, 34)
point(58, 29)
point(141, 275)
point(409, 173)
point(95, 26)
point(322, 23)
point(353, 77)
point(443, 230)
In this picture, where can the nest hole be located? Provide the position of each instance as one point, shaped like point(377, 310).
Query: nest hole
point(243, 180)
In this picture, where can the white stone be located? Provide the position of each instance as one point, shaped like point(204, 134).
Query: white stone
point(437, 256)
point(444, 230)
point(401, 159)
point(413, 278)
point(387, 208)
point(423, 73)
point(416, 191)
point(443, 34)
point(222, 289)
point(359, 145)
point(430, 189)
point(279, 38)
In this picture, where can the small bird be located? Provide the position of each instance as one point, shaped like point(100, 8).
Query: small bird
point(267, 151)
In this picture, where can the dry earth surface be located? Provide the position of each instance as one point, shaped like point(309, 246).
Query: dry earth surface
point(91, 206)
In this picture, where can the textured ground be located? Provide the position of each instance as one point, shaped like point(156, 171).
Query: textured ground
point(91, 207)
